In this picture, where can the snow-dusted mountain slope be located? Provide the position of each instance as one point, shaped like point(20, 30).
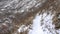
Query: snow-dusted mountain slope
point(29, 16)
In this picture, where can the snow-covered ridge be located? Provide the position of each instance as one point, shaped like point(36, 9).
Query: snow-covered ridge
point(42, 27)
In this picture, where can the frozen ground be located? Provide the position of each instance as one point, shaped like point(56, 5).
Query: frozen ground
point(42, 27)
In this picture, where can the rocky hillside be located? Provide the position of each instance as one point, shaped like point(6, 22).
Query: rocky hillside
point(29, 16)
